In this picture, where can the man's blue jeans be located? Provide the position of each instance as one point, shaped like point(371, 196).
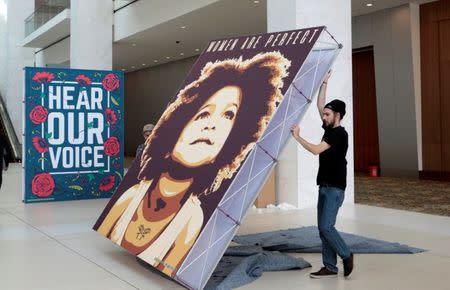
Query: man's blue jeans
point(330, 200)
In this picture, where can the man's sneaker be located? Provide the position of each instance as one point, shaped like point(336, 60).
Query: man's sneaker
point(323, 273)
point(348, 265)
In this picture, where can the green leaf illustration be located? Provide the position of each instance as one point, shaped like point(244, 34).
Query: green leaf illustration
point(76, 187)
point(48, 135)
point(90, 125)
point(42, 159)
point(78, 176)
point(61, 75)
point(115, 102)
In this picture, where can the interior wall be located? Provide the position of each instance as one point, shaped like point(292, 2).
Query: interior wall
point(14, 57)
point(147, 93)
point(56, 54)
point(365, 123)
point(389, 31)
point(435, 62)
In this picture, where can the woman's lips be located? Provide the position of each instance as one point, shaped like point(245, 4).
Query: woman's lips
point(202, 140)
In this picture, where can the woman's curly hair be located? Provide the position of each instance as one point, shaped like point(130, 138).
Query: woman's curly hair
point(260, 80)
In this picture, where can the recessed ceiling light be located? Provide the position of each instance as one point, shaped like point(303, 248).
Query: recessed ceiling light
point(168, 57)
point(143, 64)
point(181, 53)
point(183, 27)
point(197, 49)
point(123, 69)
point(369, 4)
point(155, 60)
point(133, 44)
point(133, 66)
point(256, 1)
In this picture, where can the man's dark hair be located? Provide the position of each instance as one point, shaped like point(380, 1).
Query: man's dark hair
point(337, 106)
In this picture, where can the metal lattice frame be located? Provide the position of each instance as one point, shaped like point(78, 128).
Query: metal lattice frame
point(240, 196)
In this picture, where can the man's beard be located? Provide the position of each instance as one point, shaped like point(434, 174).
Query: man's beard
point(325, 126)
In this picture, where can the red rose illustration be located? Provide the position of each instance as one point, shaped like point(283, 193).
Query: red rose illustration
point(38, 115)
point(43, 77)
point(111, 146)
point(107, 183)
point(42, 185)
point(40, 144)
point(110, 116)
point(111, 82)
point(83, 80)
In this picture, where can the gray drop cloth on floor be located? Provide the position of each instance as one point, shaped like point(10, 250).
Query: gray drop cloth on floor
point(258, 253)
point(307, 240)
point(243, 250)
point(235, 271)
point(246, 264)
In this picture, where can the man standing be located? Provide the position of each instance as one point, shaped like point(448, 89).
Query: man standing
point(146, 132)
point(4, 156)
point(331, 179)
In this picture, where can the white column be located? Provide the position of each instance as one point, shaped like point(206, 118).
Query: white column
point(281, 16)
point(3, 45)
point(297, 169)
point(336, 15)
point(415, 39)
point(14, 57)
point(91, 34)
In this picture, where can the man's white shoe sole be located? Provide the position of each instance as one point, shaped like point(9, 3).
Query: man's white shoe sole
point(349, 275)
point(323, 277)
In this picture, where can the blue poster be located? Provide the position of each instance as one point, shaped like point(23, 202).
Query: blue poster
point(73, 134)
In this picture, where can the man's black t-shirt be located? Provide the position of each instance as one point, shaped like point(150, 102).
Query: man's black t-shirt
point(332, 162)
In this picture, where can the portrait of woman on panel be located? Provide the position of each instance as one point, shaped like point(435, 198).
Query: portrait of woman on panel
point(200, 142)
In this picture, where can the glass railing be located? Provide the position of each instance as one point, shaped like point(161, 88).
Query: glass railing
point(44, 13)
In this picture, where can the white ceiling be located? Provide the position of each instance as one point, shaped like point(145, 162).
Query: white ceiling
point(231, 18)
point(359, 7)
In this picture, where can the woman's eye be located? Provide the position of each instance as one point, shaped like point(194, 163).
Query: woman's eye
point(202, 116)
point(229, 115)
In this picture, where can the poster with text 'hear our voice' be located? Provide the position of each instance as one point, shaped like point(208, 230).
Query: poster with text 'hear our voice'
point(73, 134)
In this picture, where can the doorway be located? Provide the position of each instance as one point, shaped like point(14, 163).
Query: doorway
point(365, 119)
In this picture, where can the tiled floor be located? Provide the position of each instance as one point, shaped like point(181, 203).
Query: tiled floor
point(51, 246)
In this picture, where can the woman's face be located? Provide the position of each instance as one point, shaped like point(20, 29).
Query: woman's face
point(205, 134)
